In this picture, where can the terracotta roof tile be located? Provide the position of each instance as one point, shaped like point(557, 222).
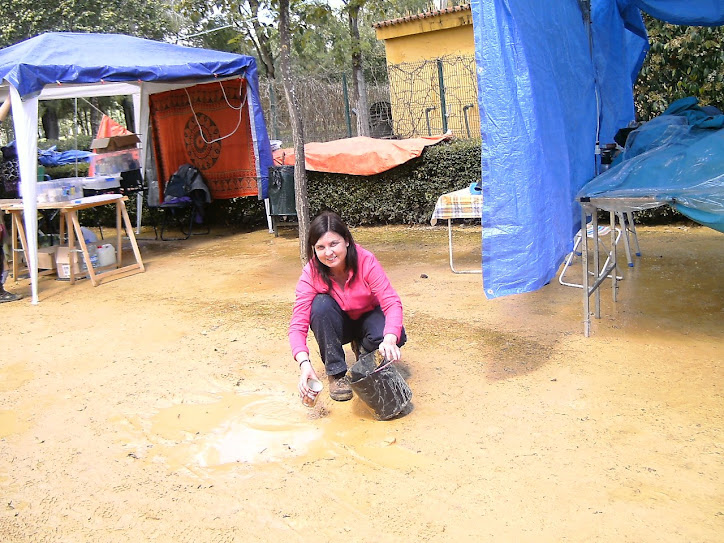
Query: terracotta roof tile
point(419, 16)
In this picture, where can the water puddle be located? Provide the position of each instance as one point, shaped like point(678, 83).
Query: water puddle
point(255, 429)
point(14, 376)
point(248, 429)
point(9, 423)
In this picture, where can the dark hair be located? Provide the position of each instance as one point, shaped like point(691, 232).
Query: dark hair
point(329, 221)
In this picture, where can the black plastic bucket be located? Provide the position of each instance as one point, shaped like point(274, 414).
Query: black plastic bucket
point(379, 384)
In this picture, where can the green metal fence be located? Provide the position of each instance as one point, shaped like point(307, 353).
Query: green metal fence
point(421, 98)
point(433, 96)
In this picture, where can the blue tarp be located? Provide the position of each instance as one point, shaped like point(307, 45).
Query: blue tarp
point(78, 58)
point(548, 83)
point(676, 158)
point(51, 157)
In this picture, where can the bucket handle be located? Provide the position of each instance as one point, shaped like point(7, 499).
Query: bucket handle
point(380, 368)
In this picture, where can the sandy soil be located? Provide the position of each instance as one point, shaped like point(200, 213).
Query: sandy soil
point(163, 406)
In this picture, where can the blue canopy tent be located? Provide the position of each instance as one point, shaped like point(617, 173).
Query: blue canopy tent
point(67, 65)
point(553, 83)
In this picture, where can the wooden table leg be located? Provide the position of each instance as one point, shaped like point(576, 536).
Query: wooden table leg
point(131, 237)
point(18, 232)
point(71, 252)
point(83, 247)
point(14, 245)
point(119, 240)
point(61, 228)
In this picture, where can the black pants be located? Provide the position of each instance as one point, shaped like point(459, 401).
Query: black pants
point(333, 328)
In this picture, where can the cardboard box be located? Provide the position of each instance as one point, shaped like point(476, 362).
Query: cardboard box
point(46, 258)
point(63, 258)
point(115, 143)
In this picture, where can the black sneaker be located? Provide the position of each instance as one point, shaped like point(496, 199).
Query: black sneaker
point(6, 296)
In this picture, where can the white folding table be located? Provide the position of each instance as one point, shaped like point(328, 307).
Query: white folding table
point(590, 208)
point(459, 204)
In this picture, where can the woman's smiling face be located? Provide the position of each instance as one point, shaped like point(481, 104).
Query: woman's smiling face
point(331, 250)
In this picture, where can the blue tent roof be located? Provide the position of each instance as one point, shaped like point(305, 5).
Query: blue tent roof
point(69, 57)
point(549, 86)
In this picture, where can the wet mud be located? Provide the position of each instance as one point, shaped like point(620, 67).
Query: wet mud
point(163, 406)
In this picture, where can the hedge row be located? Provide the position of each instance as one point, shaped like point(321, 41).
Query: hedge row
point(404, 195)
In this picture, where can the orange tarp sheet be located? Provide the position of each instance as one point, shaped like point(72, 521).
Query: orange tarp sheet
point(360, 155)
point(109, 128)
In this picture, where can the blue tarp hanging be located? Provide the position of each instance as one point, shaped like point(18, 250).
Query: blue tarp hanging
point(548, 83)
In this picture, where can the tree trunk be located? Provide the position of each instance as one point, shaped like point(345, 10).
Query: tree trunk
point(300, 173)
point(127, 105)
point(50, 123)
point(95, 116)
point(359, 86)
point(261, 41)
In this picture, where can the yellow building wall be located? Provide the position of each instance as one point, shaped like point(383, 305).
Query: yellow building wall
point(430, 45)
point(415, 51)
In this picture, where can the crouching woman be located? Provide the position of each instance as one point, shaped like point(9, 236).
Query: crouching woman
point(344, 296)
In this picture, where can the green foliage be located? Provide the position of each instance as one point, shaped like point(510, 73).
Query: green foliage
point(23, 19)
point(81, 143)
point(68, 170)
point(659, 215)
point(683, 61)
point(237, 212)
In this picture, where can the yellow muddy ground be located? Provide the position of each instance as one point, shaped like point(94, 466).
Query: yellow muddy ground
point(163, 406)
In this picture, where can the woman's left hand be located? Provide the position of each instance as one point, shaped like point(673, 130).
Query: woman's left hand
point(389, 348)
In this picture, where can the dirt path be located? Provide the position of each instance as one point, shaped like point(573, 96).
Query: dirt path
point(163, 406)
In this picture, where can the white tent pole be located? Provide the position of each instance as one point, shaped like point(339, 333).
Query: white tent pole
point(137, 122)
point(25, 120)
point(75, 130)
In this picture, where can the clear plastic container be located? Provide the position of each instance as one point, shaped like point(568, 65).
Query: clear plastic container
point(92, 255)
point(58, 190)
point(106, 254)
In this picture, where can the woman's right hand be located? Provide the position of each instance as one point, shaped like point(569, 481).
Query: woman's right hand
point(306, 371)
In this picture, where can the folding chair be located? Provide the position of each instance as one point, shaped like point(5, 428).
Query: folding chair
point(603, 232)
point(185, 191)
point(184, 212)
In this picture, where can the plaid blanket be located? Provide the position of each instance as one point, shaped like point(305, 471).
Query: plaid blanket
point(460, 204)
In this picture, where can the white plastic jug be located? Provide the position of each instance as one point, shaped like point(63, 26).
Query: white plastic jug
point(106, 254)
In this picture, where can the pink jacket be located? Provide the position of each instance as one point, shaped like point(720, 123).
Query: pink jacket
point(370, 289)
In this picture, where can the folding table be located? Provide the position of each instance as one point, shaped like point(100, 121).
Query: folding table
point(69, 214)
point(459, 204)
point(617, 207)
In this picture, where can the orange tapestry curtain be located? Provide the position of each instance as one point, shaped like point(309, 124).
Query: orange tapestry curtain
point(207, 126)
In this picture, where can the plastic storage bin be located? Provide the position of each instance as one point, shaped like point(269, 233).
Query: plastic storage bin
point(115, 162)
point(58, 190)
point(101, 185)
